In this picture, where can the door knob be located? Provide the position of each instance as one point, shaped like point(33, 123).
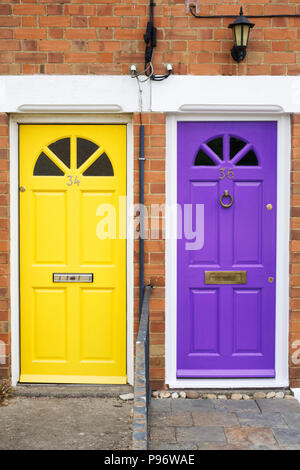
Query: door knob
point(22, 189)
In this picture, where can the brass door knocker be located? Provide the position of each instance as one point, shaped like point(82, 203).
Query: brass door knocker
point(226, 194)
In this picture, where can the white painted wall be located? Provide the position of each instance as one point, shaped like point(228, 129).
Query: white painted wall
point(296, 392)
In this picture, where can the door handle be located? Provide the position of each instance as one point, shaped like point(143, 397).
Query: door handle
point(226, 194)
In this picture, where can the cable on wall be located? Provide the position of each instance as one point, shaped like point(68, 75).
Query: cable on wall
point(193, 12)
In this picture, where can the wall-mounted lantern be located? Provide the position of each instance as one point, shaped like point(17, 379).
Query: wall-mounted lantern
point(241, 30)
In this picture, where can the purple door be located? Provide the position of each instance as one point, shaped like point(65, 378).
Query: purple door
point(226, 280)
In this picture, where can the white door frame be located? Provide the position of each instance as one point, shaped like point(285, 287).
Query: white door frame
point(15, 120)
point(282, 253)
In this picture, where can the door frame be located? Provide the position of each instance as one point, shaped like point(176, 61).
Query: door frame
point(282, 252)
point(14, 122)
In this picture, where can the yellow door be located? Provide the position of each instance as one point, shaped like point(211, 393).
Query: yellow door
point(73, 253)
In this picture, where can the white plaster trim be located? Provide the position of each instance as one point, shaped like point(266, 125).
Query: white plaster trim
point(239, 92)
point(113, 93)
point(282, 253)
point(14, 225)
point(71, 93)
point(296, 392)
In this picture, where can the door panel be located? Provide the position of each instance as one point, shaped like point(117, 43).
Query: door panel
point(73, 176)
point(50, 210)
point(227, 328)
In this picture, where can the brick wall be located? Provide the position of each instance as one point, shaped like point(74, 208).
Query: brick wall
point(295, 255)
point(105, 37)
point(4, 248)
point(154, 243)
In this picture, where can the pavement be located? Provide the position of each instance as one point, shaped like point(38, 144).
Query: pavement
point(62, 418)
point(215, 424)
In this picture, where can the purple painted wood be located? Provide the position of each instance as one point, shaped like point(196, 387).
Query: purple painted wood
point(227, 330)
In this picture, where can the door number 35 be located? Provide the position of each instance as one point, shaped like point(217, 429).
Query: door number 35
point(72, 180)
point(223, 174)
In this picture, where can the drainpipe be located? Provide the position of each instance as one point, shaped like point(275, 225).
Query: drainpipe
point(141, 206)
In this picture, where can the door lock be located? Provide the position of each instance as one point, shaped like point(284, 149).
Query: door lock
point(22, 189)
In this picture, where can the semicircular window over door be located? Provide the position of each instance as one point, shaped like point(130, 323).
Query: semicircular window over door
point(55, 159)
point(226, 148)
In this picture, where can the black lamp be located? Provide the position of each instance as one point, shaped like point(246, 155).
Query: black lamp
point(241, 29)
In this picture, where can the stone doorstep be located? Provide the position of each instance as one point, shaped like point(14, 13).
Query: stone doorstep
point(70, 391)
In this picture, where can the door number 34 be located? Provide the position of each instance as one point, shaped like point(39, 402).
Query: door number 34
point(73, 180)
point(223, 174)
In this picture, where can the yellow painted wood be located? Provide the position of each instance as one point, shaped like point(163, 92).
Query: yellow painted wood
point(73, 379)
point(72, 332)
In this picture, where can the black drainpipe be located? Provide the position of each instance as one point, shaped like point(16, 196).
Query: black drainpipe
point(141, 207)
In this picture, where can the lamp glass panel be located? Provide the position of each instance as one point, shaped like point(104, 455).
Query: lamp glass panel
point(238, 35)
point(245, 34)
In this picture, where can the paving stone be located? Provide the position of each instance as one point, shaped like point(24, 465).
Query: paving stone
point(190, 405)
point(253, 420)
point(274, 447)
point(161, 445)
point(287, 437)
point(204, 404)
point(240, 405)
point(159, 405)
point(180, 418)
point(279, 406)
point(212, 446)
point(165, 433)
point(293, 420)
point(295, 447)
point(214, 418)
point(200, 434)
point(160, 419)
point(250, 436)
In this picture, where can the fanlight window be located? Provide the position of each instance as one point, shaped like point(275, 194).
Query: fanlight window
point(213, 152)
point(48, 162)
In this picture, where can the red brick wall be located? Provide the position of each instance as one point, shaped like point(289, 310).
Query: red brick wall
point(295, 255)
point(4, 245)
point(105, 37)
point(154, 246)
